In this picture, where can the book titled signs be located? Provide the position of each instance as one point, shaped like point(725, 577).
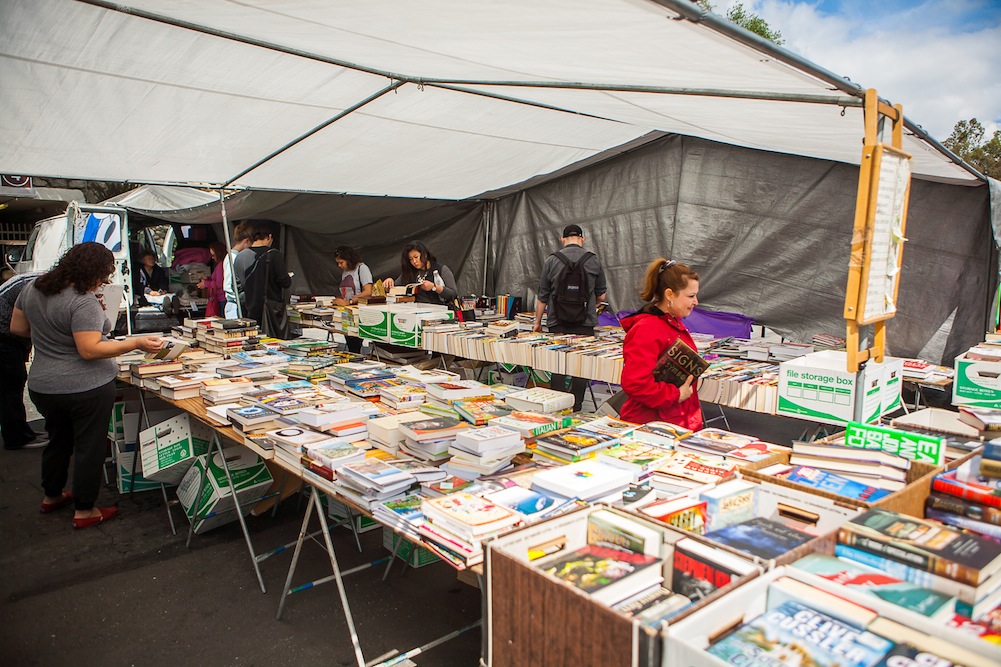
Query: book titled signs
point(913, 446)
point(677, 363)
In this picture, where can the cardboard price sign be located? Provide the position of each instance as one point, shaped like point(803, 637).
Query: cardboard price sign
point(914, 446)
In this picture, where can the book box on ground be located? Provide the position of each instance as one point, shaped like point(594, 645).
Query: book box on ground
point(818, 387)
point(339, 512)
point(413, 555)
point(124, 458)
point(250, 478)
point(168, 448)
point(534, 618)
point(688, 638)
point(977, 383)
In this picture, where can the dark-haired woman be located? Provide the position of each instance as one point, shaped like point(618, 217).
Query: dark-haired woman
point(356, 282)
point(670, 291)
point(435, 282)
point(72, 378)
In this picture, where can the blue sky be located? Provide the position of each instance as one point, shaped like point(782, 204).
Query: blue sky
point(941, 59)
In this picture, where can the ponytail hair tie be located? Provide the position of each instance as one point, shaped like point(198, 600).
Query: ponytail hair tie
point(666, 265)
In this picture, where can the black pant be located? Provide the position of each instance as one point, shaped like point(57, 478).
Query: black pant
point(13, 375)
point(77, 426)
point(559, 381)
point(354, 344)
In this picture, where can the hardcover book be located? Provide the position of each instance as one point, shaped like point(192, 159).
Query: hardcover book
point(678, 362)
point(700, 569)
point(870, 581)
point(608, 575)
point(540, 399)
point(794, 634)
point(761, 537)
point(924, 544)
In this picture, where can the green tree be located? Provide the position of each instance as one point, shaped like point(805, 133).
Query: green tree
point(967, 141)
point(747, 20)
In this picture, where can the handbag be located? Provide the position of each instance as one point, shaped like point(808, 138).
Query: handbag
point(275, 315)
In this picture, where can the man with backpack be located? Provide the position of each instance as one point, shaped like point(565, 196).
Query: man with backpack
point(571, 284)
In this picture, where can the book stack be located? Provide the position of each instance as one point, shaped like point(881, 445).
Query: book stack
point(985, 420)
point(307, 347)
point(384, 432)
point(344, 419)
point(402, 514)
point(248, 418)
point(786, 351)
point(532, 505)
point(456, 525)
point(688, 470)
point(714, 441)
point(290, 442)
point(253, 371)
point(422, 472)
point(868, 467)
point(144, 371)
point(540, 399)
point(532, 424)
point(640, 458)
point(372, 481)
point(216, 391)
point(966, 498)
point(731, 502)
point(571, 445)
point(183, 385)
point(429, 439)
point(663, 434)
point(458, 390)
point(432, 376)
point(226, 336)
point(322, 459)
point(403, 396)
point(482, 451)
point(479, 412)
point(266, 357)
point(743, 384)
point(929, 554)
point(699, 569)
point(918, 369)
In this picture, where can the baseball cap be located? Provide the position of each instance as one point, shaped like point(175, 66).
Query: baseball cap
point(573, 230)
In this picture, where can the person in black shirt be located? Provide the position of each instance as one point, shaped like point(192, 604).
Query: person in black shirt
point(262, 273)
point(435, 282)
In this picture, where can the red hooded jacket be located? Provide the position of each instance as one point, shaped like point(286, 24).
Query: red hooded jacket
point(648, 333)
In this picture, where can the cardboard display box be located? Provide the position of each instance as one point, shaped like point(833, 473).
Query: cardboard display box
point(410, 553)
point(339, 512)
point(818, 387)
point(250, 478)
point(373, 322)
point(406, 322)
point(124, 455)
point(167, 449)
point(528, 612)
point(977, 383)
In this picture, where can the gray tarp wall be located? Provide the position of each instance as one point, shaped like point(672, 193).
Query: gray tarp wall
point(768, 233)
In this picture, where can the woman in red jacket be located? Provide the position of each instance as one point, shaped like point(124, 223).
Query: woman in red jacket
point(670, 291)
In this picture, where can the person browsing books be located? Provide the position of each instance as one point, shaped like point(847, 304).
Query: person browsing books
point(671, 292)
point(434, 281)
point(72, 377)
point(356, 283)
point(571, 284)
point(262, 273)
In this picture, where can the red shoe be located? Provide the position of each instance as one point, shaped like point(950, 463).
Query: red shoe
point(65, 499)
point(107, 513)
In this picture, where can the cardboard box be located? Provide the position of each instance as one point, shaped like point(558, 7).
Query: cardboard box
point(339, 512)
point(413, 555)
point(373, 322)
point(406, 322)
point(892, 381)
point(250, 478)
point(818, 387)
point(168, 448)
point(977, 383)
point(124, 456)
point(528, 610)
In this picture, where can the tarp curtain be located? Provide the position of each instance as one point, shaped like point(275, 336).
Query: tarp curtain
point(768, 233)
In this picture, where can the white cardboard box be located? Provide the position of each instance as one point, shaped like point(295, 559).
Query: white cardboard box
point(124, 456)
point(250, 477)
point(818, 387)
point(406, 322)
point(373, 322)
point(977, 383)
point(167, 449)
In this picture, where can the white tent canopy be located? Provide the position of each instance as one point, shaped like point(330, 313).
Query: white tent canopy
point(444, 99)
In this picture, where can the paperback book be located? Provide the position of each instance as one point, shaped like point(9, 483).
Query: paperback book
point(608, 575)
point(761, 537)
point(700, 569)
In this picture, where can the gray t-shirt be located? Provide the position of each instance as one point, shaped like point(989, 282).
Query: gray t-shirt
point(58, 367)
point(354, 280)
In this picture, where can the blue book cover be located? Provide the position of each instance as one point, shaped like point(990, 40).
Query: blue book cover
point(836, 484)
point(761, 537)
point(992, 450)
point(794, 634)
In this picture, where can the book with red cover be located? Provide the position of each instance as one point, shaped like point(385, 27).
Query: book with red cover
point(677, 363)
point(982, 494)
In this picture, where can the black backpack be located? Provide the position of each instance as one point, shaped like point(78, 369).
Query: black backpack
point(569, 306)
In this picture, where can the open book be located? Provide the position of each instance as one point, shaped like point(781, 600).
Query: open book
point(172, 348)
point(404, 290)
point(677, 363)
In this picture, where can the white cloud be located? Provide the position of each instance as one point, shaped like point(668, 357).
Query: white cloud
point(939, 73)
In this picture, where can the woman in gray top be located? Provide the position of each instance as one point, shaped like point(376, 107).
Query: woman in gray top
point(72, 377)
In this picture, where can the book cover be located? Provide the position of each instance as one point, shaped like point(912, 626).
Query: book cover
point(715, 441)
point(699, 570)
point(683, 513)
point(761, 537)
point(943, 502)
point(678, 362)
point(471, 511)
point(660, 433)
point(479, 413)
point(795, 634)
point(251, 414)
point(983, 419)
point(586, 480)
point(531, 504)
point(924, 601)
point(604, 572)
point(638, 456)
point(697, 467)
point(978, 491)
point(532, 424)
point(377, 473)
point(729, 503)
point(608, 529)
point(575, 442)
point(924, 544)
point(832, 483)
point(433, 429)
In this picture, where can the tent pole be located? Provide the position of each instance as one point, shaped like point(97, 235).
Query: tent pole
point(229, 253)
point(486, 244)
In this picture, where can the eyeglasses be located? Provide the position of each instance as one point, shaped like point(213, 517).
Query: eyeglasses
point(666, 265)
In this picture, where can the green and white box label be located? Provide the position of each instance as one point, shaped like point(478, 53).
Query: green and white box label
point(913, 446)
